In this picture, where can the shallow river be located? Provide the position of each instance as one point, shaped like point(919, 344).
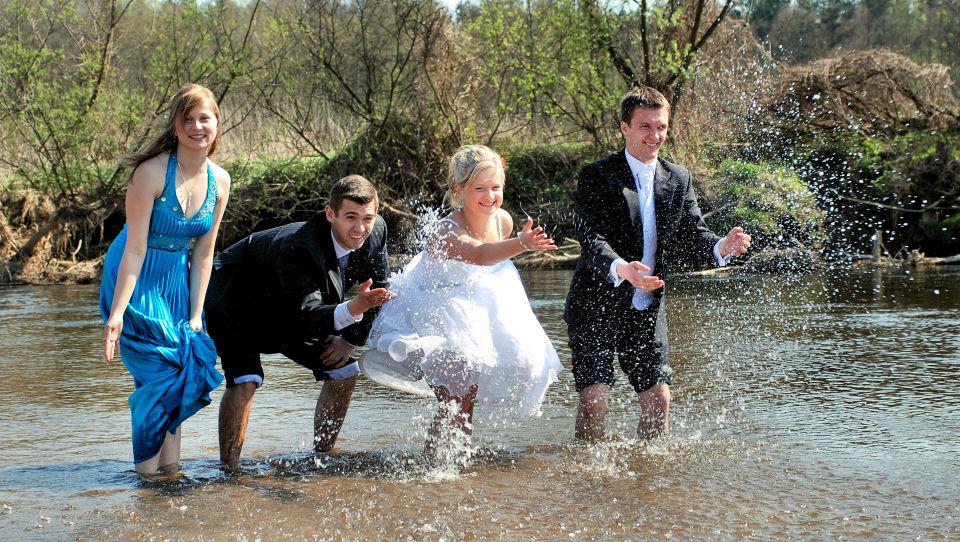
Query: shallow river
point(817, 407)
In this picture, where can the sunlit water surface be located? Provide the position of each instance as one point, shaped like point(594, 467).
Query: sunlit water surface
point(816, 407)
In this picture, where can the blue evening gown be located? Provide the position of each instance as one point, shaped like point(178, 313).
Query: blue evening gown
point(173, 369)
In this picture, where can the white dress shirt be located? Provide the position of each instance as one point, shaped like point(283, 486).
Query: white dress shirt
point(643, 175)
point(341, 315)
point(342, 318)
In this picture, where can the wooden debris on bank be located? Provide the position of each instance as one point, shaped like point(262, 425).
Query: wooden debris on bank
point(913, 258)
point(790, 261)
point(564, 257)
point(945, 260)
point(880, 257)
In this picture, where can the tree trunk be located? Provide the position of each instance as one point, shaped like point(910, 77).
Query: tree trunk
point(27, 249)
point(877, 246)
point(6, 234)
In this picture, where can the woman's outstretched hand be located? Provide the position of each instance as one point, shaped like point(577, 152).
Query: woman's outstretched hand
point(535, 238)
point(111, 338)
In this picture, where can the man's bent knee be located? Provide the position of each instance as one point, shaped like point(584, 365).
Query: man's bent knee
point(243, 391)
point(591, 412)
point(654, 411)
point(338, 390)
point(594, 396)
point(343, 384)
point(658, 396)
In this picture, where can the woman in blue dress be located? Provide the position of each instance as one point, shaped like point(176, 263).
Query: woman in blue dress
point(155, 276)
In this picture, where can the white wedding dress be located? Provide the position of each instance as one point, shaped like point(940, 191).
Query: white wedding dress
point(456, 324)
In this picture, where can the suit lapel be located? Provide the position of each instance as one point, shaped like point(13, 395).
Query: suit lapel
point(663, 188)
point(320, 244)
point(336, 279)
point(628, 185)
point(332, 265)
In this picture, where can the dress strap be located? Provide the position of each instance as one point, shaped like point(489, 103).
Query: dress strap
point(170, 180)
point(211, 185)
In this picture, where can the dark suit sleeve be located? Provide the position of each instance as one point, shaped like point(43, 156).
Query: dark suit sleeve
point(302, 291)
point(374, 265)
point(697, 241)
point(593, 220)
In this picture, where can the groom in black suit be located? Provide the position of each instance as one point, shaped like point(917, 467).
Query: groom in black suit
point(635, 213)
point(282, 290)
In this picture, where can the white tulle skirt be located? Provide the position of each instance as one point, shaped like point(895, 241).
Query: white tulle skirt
point(457, 325)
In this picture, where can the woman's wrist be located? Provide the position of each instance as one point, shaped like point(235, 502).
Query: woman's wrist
point(114, 321)
point(522, 244)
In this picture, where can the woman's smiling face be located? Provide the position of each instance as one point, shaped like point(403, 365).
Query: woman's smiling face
point(198, 128)
point(484, 195)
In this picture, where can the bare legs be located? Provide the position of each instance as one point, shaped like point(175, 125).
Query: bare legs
point(327, 419)
point(654, 412)
point(592, 412)
point(331, 410)
point(234, 416)
point(167, 460)
point(455, 413)
point(450, 379)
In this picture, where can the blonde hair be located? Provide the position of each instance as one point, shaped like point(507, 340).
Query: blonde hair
point(188, 97)
point(466, 164)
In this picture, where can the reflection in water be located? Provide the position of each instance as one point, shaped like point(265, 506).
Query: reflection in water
point(823, 406)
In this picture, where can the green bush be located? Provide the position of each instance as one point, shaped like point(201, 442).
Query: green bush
point(918, 169)
point(541, 180)
point(771, 202)
point(943, 233)
point(270, 192)
point(921, 165)
point(266, 193)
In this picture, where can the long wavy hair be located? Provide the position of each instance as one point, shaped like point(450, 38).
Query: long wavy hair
point(188, 97)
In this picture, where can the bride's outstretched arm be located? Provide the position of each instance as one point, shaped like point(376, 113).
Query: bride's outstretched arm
point(455, 243)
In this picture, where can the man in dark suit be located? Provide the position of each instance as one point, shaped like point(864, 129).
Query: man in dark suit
point(282, 290)
point(635, 213)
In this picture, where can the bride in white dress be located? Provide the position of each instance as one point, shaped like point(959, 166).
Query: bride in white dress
point(461, 327)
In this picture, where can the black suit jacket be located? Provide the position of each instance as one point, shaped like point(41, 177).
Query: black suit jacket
point(281, 286)
point(608, 225)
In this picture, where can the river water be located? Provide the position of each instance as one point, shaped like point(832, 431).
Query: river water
point(814, 407)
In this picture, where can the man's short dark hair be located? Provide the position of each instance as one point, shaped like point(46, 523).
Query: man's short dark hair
point(647, 97)
point(354, 188)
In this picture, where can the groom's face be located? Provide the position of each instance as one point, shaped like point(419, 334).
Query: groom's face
point(352, 223)
point(646, 132)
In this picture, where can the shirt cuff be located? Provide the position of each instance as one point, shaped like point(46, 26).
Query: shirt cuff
point(344, 372)
point(342, 317)
point(257, 379)
point(616, 279)
point(721, 260)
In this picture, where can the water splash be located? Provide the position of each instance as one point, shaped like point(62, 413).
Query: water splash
point(449, 449)
point(427, 225)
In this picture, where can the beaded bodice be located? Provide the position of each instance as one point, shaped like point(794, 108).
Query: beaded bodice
point(170, 230)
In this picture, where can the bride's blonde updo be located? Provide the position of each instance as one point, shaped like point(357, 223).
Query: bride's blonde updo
point(466, 164)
